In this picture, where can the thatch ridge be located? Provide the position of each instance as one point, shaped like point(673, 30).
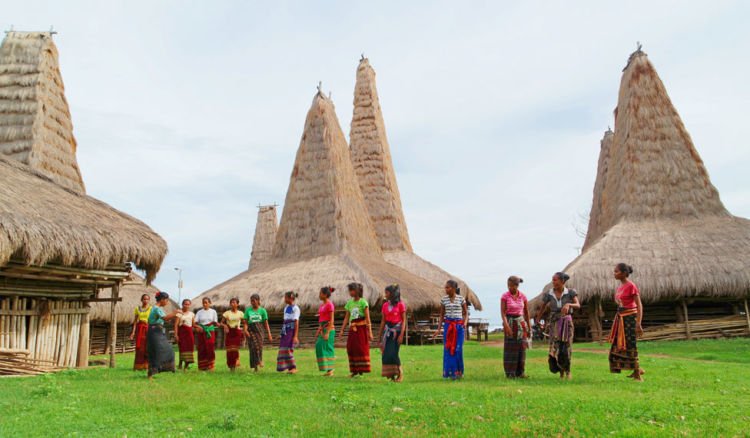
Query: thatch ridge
point(35, 123)
point(264, 239)
point(43, 222)
point(373, 164)
point(131, 291)
point(657, 209)
point(323, 211)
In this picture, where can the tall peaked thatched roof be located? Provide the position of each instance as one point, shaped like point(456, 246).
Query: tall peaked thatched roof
point(43, 222)
point(657, 209)
point(323, 211)
point(325, 237)
point(131, 291)
point(265, 236)
point(373, 164)
point(35, 123)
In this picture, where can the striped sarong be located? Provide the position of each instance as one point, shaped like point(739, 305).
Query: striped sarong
point(285, 359)
point(186, 344)
point(514, 348)
point(560, 342)
point(255, 344)
point(324, 350)
point(358, 347)
point(623, 355)
point(232, 343)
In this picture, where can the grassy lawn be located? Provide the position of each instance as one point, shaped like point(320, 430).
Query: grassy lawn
point(692, 388)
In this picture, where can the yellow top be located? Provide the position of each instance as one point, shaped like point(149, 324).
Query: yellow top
point(142, 314)
point(186, 318)
point(233, 318)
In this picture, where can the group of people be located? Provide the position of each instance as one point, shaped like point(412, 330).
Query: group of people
point(198, 330)
point(558, 304)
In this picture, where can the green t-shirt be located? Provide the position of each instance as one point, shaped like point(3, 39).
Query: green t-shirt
point(357, 308)
point(156, 316)
point(252, 315)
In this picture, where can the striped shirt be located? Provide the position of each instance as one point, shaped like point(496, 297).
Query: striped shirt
point(453, 309)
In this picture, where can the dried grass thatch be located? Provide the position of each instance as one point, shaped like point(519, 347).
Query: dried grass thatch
point(656, 208)
point(265, 236)
point(131, 291)
point(35, 123)
point(325, 237)
point(43, 222)
point(373, 164)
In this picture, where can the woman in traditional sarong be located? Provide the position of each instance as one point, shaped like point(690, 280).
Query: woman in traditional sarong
point(623, 355)
point(160, 353)
point(206, 322)
point(140, 333)
point(256, 319)
point(326, 333)
point(392, 328)
point(453, 318)
point(560, 301)
point(515, 312)
point(289, 332)
point(232, 322)
point(360, 331)
point(183, 328)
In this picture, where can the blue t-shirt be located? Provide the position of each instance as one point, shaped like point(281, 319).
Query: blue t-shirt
point(156, 316)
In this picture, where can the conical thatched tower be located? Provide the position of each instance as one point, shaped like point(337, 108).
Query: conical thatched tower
point(325, 236)
point(656, 209)
point(38, 130)
point(371, 155)
point(265, 236)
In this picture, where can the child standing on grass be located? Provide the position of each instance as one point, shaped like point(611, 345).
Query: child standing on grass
point(232, 322)
point(326, 333)
point(289, 331)
point(256, 318)
point(360, 331)
point(392, 329)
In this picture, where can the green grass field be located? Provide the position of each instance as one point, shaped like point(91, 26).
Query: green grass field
point(695, 388)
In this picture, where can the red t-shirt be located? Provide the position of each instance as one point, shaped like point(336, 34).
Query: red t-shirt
point(625, 295)
point(392, 314)
point(325, 312)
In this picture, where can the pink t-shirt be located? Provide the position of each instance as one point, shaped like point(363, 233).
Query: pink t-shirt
point(514, 304)
point(392, 314)
point(625, 295)
point(325, 312)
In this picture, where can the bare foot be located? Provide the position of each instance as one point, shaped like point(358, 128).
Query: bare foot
point(328, 374)
point(294, 371)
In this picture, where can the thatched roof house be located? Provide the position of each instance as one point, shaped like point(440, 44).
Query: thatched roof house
point(376, 176)
point(265, 236)
point(58, 246)
point(323, 238)
point(655, 208)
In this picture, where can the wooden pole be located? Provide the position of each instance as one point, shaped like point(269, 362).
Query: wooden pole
point(687, 321)
point(747, 315)
point(113, 326)
point(83, 341)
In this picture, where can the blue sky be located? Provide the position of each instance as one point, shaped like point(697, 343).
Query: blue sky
point(189, 114)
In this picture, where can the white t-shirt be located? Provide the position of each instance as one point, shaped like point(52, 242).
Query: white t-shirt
point(205, 317)
point(291, 312)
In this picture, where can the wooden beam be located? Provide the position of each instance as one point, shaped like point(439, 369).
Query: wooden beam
point(687, 320)
point(35, 312)
point(113, 326)
point(104, 300)
point(747, 315)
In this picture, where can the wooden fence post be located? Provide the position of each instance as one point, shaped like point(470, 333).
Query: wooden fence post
point(687, 320)
point(747, 315)
point(113, 325)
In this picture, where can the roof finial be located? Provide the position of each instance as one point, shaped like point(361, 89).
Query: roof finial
point(363, 57)
point(320, 88)
point(640, 46)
